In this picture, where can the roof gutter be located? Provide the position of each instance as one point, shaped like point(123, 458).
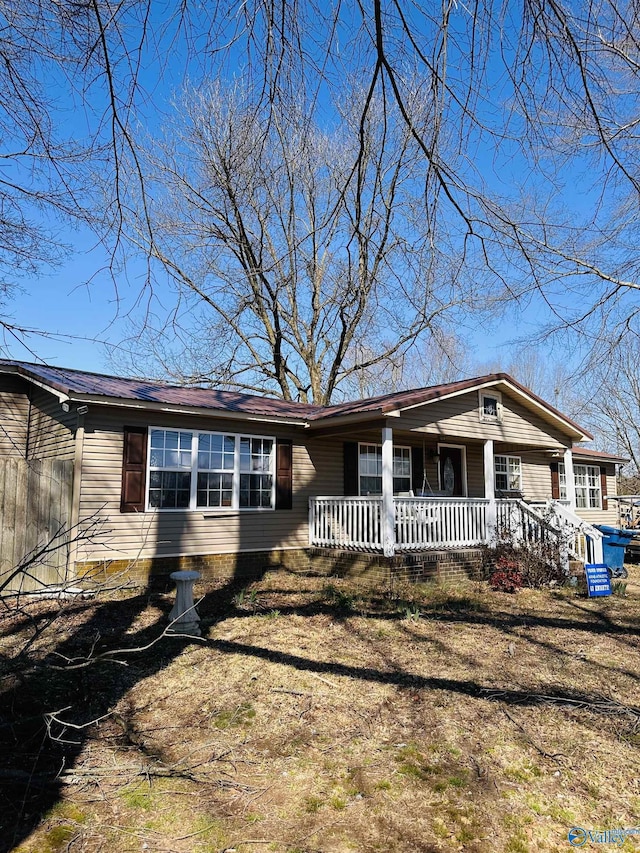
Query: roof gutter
point(177, 409)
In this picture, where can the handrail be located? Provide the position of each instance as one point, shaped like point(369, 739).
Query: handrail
point(587, 539)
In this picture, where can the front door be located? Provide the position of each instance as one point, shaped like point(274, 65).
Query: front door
point(452, 471)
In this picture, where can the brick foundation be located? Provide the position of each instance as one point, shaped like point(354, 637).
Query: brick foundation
point(243, 566)
point(374, 568)
point(415, 567)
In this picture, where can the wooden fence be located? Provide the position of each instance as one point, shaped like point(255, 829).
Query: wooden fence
point(35, 504)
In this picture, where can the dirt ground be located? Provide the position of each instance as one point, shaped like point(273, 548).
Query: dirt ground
point(318, 715)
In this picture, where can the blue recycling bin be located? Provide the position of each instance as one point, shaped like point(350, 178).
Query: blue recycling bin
point(614, 542)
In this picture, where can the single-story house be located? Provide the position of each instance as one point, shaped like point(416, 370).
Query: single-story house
point(230, 483)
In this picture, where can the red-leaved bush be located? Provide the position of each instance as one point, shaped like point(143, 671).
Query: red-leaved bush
point(507, 577)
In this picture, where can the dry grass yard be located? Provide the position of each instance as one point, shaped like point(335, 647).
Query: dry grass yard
point(315, 715)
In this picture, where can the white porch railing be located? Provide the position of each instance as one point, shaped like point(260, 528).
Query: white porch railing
point(346, 522)
point(420, 523)
point(438, 522)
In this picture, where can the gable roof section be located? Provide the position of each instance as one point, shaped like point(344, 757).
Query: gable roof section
point(82, 387)
point(395, 404)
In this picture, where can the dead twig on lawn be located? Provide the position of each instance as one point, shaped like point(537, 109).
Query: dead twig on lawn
point(326, 680)
point(111, 655)
point(553, 756)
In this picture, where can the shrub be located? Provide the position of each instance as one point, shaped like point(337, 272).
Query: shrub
point(506, 579)
point(539, 564)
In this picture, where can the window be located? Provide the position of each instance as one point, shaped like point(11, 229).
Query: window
point(216, 464)
point(210, 470)
point(588, 485)
point(562, 482)
point(508, 471)
point(370, 469)
point(256, 472)
point(490, 406)
point(170, 469)
point(588, 494)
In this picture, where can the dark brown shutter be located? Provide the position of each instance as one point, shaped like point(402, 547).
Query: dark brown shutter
point(134, 469)
point(284, 474)
point(417, 469)
point(351, 468)
point(603, 487)
point(555, 482)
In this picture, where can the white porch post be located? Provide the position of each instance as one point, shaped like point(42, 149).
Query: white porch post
point(570, 479)
point(490, 491)
point(388, 510)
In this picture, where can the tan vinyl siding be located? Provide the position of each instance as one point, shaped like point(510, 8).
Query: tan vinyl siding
point(459, 417)
point(51, 431)
point(169, 533)
point(475, 471)
point(536, 476)
point(14, 416)
point(602, 516)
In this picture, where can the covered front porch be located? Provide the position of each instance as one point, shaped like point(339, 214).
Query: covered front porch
point(391, 523)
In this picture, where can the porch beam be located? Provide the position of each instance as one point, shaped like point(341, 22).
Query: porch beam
point(490, 491)
point(371, 426)
point(388, 509)
point(570, 479)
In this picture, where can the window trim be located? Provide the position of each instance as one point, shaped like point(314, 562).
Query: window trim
point(508, 457)
point(379, 446)
point(484, 417)
point(587, 487)
point(194, 470)
point(562, 484)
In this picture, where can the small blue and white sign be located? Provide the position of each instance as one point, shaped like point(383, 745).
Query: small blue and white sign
point(598, 579)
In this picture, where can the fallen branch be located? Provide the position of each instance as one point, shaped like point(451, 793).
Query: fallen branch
point(320, 678)
point(606, 706)
point(111, 655)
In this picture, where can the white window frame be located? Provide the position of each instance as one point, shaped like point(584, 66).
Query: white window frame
point(194, 470)
point(588, 486)
point(562, 481)
point(510, 467)
point(583, 488)
point(378, 447)
point(484, 416)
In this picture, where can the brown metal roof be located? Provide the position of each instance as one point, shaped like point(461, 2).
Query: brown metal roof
point(398, 400)
point(81, 385)
point(404, 399)
point(589, 453)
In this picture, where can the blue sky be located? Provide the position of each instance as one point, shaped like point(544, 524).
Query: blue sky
point(77, 305)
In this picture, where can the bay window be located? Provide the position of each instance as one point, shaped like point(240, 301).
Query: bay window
point(209, 470)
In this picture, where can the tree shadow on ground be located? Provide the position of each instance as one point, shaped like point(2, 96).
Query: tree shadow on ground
point(47, 708)
point(47, 705)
